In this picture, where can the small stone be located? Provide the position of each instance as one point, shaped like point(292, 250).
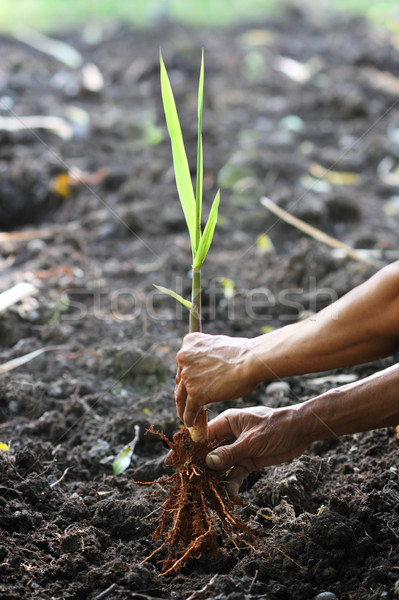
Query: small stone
point(325, 596)
point(278, 388)
point(35, 247)
point(291, 123)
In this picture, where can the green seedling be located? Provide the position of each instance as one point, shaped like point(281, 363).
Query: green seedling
point(124, 458)
point(191, 204)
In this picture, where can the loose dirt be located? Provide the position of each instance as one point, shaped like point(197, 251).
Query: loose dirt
point(69, 528)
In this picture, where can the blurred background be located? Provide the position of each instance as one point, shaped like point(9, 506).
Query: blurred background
point(58, 14)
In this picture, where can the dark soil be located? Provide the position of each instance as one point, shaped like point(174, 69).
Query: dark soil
point(69, 528)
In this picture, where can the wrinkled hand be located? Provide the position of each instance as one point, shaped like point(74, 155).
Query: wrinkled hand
point(254, 438)
point(210, 368)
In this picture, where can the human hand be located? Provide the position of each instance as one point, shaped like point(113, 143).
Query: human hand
point(210, 368)
point(254, 438)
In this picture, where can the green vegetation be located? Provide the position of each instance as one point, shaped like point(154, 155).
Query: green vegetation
point(191, 204)
point(57, 14)
point(192, 208)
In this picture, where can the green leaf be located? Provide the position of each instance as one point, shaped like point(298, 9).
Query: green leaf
point(200, 165)
point(228, 287)
point(180, 162)
point(123, 460)
point(207, 235)
point(174, 295)
point(267, 328)
point(264, 244)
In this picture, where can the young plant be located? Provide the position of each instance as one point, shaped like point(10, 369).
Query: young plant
point(197, 506)
point(192, 209)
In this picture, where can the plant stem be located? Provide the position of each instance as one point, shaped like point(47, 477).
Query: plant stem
point(199, 431)
point(195, 312)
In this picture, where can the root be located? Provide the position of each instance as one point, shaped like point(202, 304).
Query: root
point(196, 509)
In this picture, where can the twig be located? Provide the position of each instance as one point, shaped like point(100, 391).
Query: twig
point(57, 125)
point(139, 595)
point(254, 578)
point(314, 232)
point(15, 294)
point(106, 592)
point(61, 478)
point(7, 489)
point(376, 254)
point(393, 531)
point(23, 236)
point(63, 52)
point(145, 596)
point(87, 408)
point(22, 360)
point(136, 437)
point(33, 234)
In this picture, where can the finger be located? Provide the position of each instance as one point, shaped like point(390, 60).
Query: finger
point(190, 412)
point(224, 457)
point(233, 488)
point(237, 476)
point(178, 376)
point(219, 428)
point(180, 398)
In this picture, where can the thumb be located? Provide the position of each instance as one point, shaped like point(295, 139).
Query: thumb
point(225, 457)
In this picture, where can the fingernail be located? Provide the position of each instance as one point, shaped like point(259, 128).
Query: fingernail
point(213, 460)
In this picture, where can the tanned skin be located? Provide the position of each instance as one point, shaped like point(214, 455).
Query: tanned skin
point(360, 327)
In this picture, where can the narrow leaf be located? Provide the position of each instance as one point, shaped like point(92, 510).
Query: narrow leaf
point(184, 185)
point(200, 166)
point(180, 162)
point(207, 235)
point(174, 295)
point(123, 460)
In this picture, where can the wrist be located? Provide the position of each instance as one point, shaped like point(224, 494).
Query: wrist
point(274, 355)
point(253, 369)
point(311, 420)
point(370, 403)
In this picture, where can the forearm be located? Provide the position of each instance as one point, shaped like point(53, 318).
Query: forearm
point(362, 406)
point(361, 326)
point(254, 438)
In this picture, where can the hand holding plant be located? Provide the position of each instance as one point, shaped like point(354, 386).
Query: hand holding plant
point(226, 362)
